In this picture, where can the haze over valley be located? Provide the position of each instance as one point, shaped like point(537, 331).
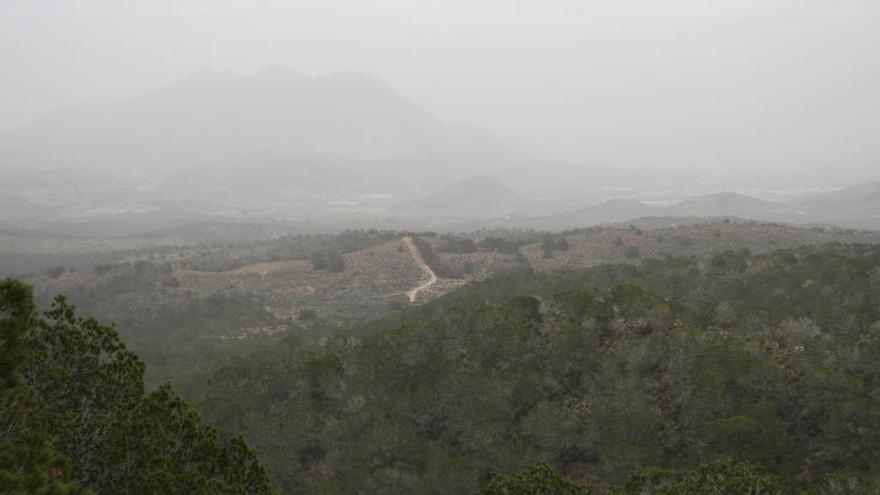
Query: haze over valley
point(439, 247)
point(346, 151)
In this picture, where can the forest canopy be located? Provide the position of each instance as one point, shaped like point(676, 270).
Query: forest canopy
point(769, 360)
point(675, 376)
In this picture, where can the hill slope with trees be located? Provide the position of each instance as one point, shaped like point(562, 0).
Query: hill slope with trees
point(767, 359)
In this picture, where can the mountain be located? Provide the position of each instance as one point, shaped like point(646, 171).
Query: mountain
point(478, 196)
point(212, 114)
point(213, 120)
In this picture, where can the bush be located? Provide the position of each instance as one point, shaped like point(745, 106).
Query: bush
point(499, 245)
point(329, 260)
point(684, 240)
point(335, 262)
point(307, 315)
point(549, 245)
point(718, 478)
point(431, 258)
point(458, 245)
point(540, 479)
point(632, 252)
point(55, 271)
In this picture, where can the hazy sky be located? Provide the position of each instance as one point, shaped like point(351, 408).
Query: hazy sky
point(719, 85)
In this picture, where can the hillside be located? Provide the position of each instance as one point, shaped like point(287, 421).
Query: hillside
point(857, 207)
point(375, 270)
point(865, 195)
point(727, 371)
point(308, 345)
point(763, 359)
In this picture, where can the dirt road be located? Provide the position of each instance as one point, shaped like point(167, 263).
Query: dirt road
point(417, 256)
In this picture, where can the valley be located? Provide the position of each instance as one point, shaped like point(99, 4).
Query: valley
point(439, 248)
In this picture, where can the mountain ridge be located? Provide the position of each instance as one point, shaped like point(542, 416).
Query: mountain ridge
point(223, 120)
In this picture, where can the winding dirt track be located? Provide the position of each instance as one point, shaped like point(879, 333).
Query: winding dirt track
point(417, 256)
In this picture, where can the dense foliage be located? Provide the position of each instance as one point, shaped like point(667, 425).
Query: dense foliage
point(770, 360)
point(539, 479)
point(74, 413)
point(29, 463)
point(722, 477)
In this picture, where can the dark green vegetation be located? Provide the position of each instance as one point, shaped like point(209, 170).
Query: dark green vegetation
point(770, 360)
point(327, 260)
point(433, 260)
point(722, 477)
point(539, 479)
point(719, 478)
point(660, 370)
point(165, 327)
point(74, 416)
point(21, 263)
point(501, 240)
point(551, 244)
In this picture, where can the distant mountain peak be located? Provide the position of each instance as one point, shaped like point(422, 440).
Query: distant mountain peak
point(280, 75)
point(205, 76)
point(275, 70)
point(211, 116)
point(479, 184)
point(203, 73)
point(211, 120)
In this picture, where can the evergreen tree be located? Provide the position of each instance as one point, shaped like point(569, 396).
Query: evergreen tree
point(29, 463)
point(538, 480)
point(81, 392)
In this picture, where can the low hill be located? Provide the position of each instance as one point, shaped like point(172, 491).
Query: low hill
point(857, 207)
point(612, 211)
point(725, 204)
point(861, 196)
